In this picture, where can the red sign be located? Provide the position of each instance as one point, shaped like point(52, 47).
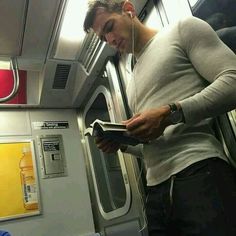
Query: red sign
point(6, 86)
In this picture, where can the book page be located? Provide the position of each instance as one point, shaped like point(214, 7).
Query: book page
point(112, 131)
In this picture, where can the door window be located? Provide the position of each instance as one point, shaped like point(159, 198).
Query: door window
point(108, 171)
point(220, 15)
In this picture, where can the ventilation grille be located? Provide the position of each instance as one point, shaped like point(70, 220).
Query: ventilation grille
point(91, 47)
point(61, 76)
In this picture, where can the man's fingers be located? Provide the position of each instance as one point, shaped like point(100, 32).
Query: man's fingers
point(135, 123)
point(125, 122)
point(107, 145)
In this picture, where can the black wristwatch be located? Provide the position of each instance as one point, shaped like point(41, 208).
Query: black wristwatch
point(176, 114)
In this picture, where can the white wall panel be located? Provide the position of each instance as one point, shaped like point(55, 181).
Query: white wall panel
point(14, 123)
point(65, 201)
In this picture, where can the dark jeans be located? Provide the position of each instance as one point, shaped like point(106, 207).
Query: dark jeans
point(198, 201)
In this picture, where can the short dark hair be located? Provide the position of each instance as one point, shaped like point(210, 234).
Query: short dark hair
point(94, 5)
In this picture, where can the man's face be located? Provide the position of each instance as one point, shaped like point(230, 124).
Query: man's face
point(115, 29)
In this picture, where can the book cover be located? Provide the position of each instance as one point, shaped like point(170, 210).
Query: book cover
point(110, 130)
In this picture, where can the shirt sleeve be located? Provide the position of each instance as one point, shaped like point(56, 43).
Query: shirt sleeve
point(135, 150)
point(216, 63)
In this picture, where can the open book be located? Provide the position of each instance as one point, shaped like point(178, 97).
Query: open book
point(113, 131)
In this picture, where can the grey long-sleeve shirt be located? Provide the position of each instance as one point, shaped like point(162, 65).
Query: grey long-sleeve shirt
point(188, 63)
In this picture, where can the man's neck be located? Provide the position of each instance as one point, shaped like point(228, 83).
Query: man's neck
point(143, 35)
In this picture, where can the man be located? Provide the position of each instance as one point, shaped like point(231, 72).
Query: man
point(184, 75)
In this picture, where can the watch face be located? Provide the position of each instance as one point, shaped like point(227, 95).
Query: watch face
point(176, 117)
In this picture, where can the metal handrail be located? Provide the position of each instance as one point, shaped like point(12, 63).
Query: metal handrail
point(16, 81)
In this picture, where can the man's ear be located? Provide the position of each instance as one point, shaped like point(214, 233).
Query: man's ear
point(128, 8)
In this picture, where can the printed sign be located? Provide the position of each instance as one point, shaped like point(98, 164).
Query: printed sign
point(51, 125)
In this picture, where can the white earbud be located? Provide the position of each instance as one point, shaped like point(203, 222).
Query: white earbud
point(130, 14)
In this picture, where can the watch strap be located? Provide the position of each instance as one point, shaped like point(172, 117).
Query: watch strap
point(174, 108)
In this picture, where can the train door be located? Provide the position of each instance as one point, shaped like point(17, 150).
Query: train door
point(114, 179)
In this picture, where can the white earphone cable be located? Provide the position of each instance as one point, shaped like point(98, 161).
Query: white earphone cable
point(133, 59)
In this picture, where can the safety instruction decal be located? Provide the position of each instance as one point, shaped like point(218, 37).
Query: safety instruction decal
point(50, 125)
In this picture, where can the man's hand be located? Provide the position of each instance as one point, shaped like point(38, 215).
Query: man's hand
point(107, 145)
point(149, 124)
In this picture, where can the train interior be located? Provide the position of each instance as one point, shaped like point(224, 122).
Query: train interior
point(53, 84)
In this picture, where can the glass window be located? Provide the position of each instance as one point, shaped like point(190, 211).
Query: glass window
point(153, 19)
point(108, 170)
point(176, 9)
point(192, 2)
point(220, 15)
